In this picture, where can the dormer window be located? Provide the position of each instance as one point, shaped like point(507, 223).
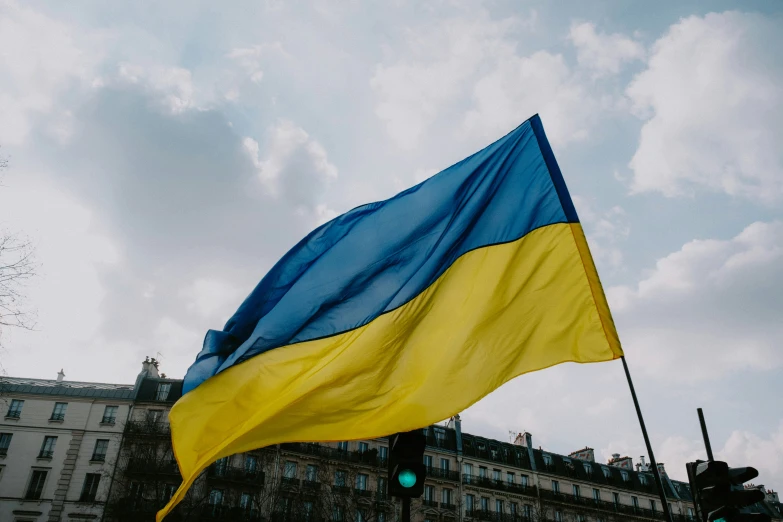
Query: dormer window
point(162, 392)
point(643, 480)
point(607, 472)
point(625, 476)
point(588, 469)
point(547, 459)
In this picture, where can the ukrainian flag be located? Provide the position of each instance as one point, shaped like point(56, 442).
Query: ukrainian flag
point(402, 313)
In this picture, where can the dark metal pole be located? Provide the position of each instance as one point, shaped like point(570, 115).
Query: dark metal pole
point(406, 509)
point(654, 465)
point(704, 435)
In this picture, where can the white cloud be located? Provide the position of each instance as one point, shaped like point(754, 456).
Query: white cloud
point(603, 53)
point(173, 84)
point(521, 86)
point(249, 59)
point(469, 69)
point(294, 166)
point(435, 72)
point(710, 308)
point(713, 107)
point(42, 59)
point(209, 297)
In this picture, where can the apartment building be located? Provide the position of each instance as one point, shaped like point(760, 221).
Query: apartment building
point(58, 447)
point(470, 478)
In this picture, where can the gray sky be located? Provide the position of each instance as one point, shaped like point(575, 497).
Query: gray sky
point(164, 156)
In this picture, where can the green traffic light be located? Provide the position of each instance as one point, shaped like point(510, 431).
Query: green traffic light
point(407, 478)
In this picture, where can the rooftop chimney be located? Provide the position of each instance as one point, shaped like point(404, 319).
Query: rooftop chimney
point(60, 375)
point(586, 454)
point(621, 462)
point(524, 439)
point(150, 367)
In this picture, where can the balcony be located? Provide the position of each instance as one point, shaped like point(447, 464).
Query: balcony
point(109, 421)
point(145, 429)
point(236, 475)
point(601, 505)
point(443, 474)
point(498, 485)
point(369, 458)
point(13, 414)
point(46, 454)
point(362, 493)
point(429, 503)
point(57, 417)
point(142, 466)
point(448, 505)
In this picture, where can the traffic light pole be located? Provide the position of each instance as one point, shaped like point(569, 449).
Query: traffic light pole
point(406, 509)
point(656, 473)
point(704, 435)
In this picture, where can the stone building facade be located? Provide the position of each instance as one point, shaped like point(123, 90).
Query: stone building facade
point(59, 442)
point(470, 478)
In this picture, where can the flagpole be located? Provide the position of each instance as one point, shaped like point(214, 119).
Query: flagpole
point(656, 473)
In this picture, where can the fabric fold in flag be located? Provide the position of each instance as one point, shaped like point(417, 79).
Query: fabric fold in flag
point(402, 313)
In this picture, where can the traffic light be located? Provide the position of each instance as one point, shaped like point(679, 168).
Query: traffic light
point(718, 493)
point(406, 464)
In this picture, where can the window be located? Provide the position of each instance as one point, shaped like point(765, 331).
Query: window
point(36, 485)
point(616, 498)
point(342, 446)
point(337, 513)
point(625, 476)
point(429, 493)
point(652, 506)
point(361, 482)
point(339, 478)
point(512, 508)
point(510, 477)
point(162, 393)
point(168, 491)
point(555, 486)
point(496, 475)
point(440, 436)
point(289, 471)
point(136, 490)
point(444, 464)
point(90, 487)
point(99, 453)
point(635, 502)
point(581, 518)
point(484, 503)
point(246, 502)
point(380, 516)
point(15, 410)
point(643, 480)
point(607, 472)
point(428, 460)
point(588, 469)
point(383, 453)
point(523, 480)
point(498, 506)
point(691, 515)
point(47, 448)
point(482, 472)
point(558, 516)
point(467, 470)
point(58, 413)
point(109, 415)
point(363, 447)
point(596, 494)
point(445, 496)
point(547, 460)
point(311, 473)
point(216, 497)
point(527, 511)
point(5, 442)
point(251, 464)
point(154, 416)
point(576, 490)
point(470, 501)
point(221, 465)
point(308, 510)
point(382, 487)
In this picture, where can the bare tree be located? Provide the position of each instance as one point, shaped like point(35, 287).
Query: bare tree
point(17, 267)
